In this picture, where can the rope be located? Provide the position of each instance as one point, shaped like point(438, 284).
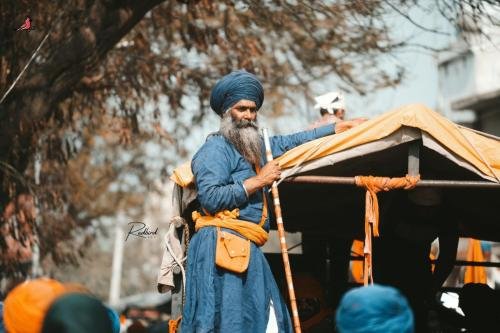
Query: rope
point(373, 185)
point(178, 261)
point(186, 247)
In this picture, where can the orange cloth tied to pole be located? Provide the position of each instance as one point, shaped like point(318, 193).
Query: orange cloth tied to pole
point(373, 185)
point(475, 274)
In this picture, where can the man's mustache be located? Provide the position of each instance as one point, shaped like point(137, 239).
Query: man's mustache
point(246, 123)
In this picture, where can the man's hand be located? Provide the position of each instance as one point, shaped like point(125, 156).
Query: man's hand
point(266, 176)
point(342, 126)
point(269, 173)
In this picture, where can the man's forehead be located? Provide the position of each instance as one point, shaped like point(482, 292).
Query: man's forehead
point(244, 102)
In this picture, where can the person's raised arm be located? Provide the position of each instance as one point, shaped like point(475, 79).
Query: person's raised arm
point(283, 143)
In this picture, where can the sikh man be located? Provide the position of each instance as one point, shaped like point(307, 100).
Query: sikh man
point(231, 179)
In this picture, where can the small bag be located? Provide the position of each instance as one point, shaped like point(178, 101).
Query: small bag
point(232, 252)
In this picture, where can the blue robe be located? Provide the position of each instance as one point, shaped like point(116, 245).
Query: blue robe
point(218, 300)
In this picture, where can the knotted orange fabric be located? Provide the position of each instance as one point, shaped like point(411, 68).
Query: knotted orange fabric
point(26, 305)
point(475, 274)
point(373, 185)
point(228, 219)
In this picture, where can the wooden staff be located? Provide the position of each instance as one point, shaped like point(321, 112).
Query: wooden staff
point(281, 233)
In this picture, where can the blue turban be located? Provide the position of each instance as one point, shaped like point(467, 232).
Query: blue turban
point(115, 320)
point(77, 313)
point(374, 309)
point(2, 327)
point(234, 87)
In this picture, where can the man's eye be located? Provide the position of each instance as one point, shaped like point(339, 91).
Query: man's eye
point(244, 108)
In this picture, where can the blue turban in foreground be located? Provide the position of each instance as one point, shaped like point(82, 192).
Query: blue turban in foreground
point(234, 87)
point(374, 309)
point(115, 320)
point(77, 313)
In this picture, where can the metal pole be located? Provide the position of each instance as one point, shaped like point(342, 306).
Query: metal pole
point(414, 158)
point(422, 183)
point(457, 262)
point(116, 269)
point(281, 233)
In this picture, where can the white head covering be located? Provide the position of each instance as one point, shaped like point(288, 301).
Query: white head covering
point(330, 101)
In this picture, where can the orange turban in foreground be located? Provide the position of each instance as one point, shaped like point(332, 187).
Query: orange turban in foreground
point(26, 305)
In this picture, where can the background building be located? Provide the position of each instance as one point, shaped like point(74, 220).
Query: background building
point(469, 80)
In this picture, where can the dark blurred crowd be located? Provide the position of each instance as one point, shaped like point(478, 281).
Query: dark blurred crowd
point(48, 306)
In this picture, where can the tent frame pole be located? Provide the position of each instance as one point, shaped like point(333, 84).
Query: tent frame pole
point(330, 180)
point(414, 158)
point(457, 262)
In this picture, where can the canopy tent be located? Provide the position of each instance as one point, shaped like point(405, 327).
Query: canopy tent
point(380, 147)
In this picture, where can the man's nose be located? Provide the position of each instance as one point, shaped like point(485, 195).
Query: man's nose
point(248, 114)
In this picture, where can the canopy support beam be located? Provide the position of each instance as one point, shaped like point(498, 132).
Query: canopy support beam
point(457, 262)
point(422, 183)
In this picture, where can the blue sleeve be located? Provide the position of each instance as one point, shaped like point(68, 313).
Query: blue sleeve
point(212, 170)
point(280, 144)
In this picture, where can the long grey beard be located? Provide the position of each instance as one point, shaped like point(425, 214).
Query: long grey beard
point(244, 135)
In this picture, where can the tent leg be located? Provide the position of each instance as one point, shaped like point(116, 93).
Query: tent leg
point(414, 158)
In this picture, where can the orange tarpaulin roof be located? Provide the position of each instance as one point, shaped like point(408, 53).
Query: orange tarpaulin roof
point(480, 151)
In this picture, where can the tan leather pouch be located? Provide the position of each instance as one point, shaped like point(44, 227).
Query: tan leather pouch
point(232, 252)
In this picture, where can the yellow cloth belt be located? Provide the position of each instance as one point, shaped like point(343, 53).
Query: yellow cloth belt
point(373, 185)
point(228, 219)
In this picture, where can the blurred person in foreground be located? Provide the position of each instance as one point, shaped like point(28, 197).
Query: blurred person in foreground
point(374, 309)
point(26, 305)
point(2, 327)
point(79, 313)
point(33, 304)
point(480, 305)
point(315, 315)
point(232, 179)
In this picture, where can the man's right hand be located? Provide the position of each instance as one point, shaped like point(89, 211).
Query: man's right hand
point(269, 173)
point(265, 177)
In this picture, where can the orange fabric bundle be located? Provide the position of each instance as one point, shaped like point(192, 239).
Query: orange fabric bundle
point(475, 274)
point(373, 185)
point(26, 305)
